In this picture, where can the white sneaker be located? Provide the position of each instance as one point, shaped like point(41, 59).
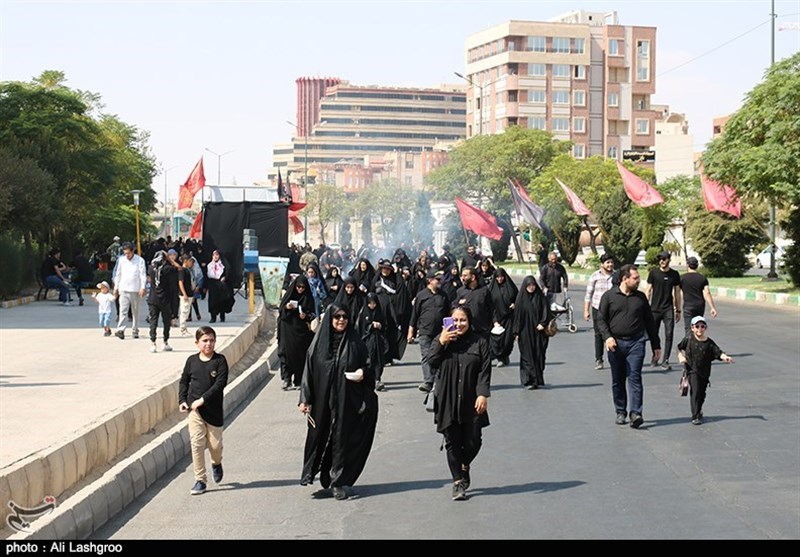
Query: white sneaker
point(66, 304)
point(167, 347)
point(153, 348)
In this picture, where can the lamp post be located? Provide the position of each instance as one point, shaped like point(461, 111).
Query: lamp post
point(219, 159)
point(305, 180)
point(136, 204)
point(166, 216)
point(772, 274)
point(480, 107)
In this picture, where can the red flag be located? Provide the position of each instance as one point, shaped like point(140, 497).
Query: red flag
point(297, 224)
point(197, 227)
point(719, 197)
point(480, 222)
point(574, 201)
point(195, 182)
point(637, 190)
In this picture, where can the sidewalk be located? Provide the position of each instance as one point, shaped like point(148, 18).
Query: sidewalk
point(71, 400)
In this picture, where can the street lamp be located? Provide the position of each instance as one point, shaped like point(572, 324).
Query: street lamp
point(305, 180)
point(166, 217)
point(136, 204)
point(480, 103)
point(219, 157)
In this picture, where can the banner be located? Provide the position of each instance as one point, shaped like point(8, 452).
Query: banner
point(195, 182)
point(273, 272)
point(574, 201)
point(527, 210)
point(637, 190)
point(719, 197)
point(480, 222)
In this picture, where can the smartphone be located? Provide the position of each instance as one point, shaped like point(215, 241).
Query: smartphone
point(448, 323)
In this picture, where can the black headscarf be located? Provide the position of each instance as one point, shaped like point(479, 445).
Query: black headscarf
point(352, 302)
point(503, 295)
point(305, 300)
point(530, 309)
point(363, 277)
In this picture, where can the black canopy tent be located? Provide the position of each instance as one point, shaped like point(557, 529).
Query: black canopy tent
point(224, 223)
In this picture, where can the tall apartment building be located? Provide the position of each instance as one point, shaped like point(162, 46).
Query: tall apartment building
point(581, 76)
point(362, 126)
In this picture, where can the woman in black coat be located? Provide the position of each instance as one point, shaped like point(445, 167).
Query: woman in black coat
point(464, 361)
point(333, 283)
point(396, 305)
point(338, 397)
point(371, 326)
point(504, 295)
point(220, 292)
point(531, 314)
point(485, 271)
point(295, 314)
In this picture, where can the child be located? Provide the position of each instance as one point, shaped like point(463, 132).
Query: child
point(200, 393)
point(105, 300)
point(696, 352)
point(370, 328)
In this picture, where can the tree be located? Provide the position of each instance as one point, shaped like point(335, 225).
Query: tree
point(456, 237)
point(422, 221)
point(391, 203)
point(759, 152)
point(622, 231)
point(327, 204)
point(27, 197)
point(345, 234)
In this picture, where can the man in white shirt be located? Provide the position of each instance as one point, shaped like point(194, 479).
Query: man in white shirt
point(129, 279)
point(600, 282)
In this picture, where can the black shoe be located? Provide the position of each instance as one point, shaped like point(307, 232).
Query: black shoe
point(339, 493)
point(636, 420)
point(506, 361)
point(696, 421)
point(307, 480)
point(222, 317)
point(465, 479)
point(216, 470)
point(80, 301)
point(213, 319)
point(598, 364)
point(120, 335)
point(531, 387)
point(621, 418)
point(459, 492)
point(135, 335)
point(287, 385)
point(426, 387)
point(198, 488)
point(107, 333)
point(379, 386)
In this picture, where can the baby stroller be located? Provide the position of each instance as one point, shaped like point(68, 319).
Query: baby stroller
point(563, 314)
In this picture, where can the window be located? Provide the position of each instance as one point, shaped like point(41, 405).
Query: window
point(579, 124)
point(579, 97)
point(409, 163)
point(578, 46)
point(579, 151)
point(643, 49)
point(560, 97)
point(536, 69)
point(612, 152)
point(642, 126)
point(510, 46)
point(536, 44)
point(537, 123)
point(498, 97)
point(580, 72)
point(643, 70)
point(561, 44)
point(560, 124)
point(613, 47)
point(560, 70)
point(613, 99)
point(536, 96)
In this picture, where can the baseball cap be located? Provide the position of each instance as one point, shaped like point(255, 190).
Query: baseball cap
point(664, 255)
point(116, 238)
point(434, 274)
point(692, 262)
point(698, 319)
point(172, 252)
point(605, 257)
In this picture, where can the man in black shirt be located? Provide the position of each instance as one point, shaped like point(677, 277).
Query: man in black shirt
point(472, 259)
point(53, 277)
point(84, 274)
point(430, 307)
point(664, 293)
point(552, 277)
point(626, 321)
point(696, 293)
point(478, 299)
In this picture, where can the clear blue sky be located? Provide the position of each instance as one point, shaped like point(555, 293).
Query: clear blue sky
point(221, 74)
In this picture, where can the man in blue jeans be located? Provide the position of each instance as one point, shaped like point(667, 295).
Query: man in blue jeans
point(626, 323)
point(53, 277)
point(430, 307)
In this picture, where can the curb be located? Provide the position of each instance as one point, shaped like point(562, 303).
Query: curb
point(91, 507)
point(17, 302)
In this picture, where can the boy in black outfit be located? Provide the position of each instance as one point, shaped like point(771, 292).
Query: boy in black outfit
point(696, 352)
point(202, 383)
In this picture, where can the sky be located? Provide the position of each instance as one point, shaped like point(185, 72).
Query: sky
point(214, 75)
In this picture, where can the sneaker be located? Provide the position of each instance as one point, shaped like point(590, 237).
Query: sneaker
point(465, 479)
point(216, 471)
point(339, 493)
point(379, 386)
point(459, 493)
point(598, 364)
point(636, 420)
point(697, 421)
point(198, 488)
point(107, 334)
point(167, 347)
point(135, 335)
point(184, 332)
point(65, 304)
point(80, 301)
point(120, 335)
point(153, 348)
point(621, 418)
point(425, 387)
point(286, 385)
point(665, 366)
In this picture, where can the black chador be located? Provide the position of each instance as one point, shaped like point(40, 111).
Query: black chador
point(530, 311)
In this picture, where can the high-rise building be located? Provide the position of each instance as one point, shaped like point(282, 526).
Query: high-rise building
point(309, 92)
point(581, 76)
point(362, 126)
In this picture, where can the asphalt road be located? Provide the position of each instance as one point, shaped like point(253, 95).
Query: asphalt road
point(553, 464)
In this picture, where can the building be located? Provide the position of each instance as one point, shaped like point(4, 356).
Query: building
point(674, 146)
point(357, 126)
point(718, 125)
point(581, 76)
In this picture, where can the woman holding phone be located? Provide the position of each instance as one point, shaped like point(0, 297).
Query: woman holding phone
point(464, 360)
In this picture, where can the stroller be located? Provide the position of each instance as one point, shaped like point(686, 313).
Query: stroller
point(563, 313)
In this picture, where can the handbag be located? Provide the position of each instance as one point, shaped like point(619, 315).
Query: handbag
point(683, 386)
point(429, 399)
point(552, 328)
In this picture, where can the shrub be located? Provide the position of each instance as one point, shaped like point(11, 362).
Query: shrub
point(12, 278)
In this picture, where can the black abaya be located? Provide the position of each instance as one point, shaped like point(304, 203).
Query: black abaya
point(294, 333)
point(503, 297)
point(531, 310)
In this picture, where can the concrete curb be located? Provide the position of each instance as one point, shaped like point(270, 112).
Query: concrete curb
point(17, 302)
point(90, 508)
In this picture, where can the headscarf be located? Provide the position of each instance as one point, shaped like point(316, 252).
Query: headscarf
point(305, 299)
point(367, 316)
point(363, 277)
point(215, 269)
point(503, 295)
point(353, 301)
point(530, 309)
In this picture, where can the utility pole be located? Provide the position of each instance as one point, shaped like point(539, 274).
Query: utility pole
point(772, 275)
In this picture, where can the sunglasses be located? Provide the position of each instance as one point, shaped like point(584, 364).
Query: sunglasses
point(700, 326)
point(340, 316)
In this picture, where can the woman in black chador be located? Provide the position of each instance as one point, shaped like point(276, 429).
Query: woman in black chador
point(364, 273)
point(396, 305)
point(350, 296)
point(531, 314)
point(339, 400)
point(333, 284)
point(295, 314)
point(464, 361)
point(504, 295)
point(371, 325)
